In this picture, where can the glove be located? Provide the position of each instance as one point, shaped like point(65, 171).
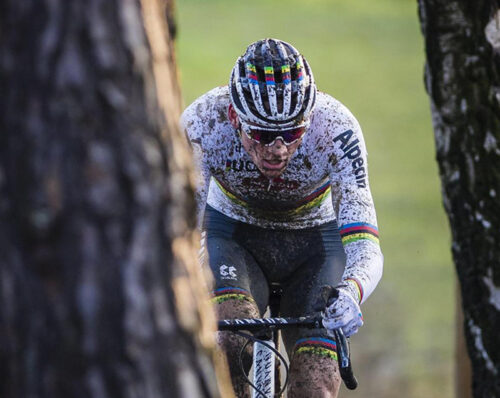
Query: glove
point(343, 313)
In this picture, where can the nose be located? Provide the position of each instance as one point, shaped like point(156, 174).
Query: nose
point(278, 148)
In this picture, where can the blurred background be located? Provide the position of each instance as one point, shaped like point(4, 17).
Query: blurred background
point(369, 55)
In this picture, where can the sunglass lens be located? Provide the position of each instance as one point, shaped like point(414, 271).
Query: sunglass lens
point(256, 135)
point(267, 137)
point(292, 135)
point(262, 136)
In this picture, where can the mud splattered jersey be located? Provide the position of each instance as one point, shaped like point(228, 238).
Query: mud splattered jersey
point(326, 179)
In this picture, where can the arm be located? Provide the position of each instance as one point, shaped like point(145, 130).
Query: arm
point(202, 182)
point(358, 229)
point(193, 129)
point(356, 213)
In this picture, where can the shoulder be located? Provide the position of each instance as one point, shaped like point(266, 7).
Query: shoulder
point(331, 117)
point(205, 112)
point(333, 127)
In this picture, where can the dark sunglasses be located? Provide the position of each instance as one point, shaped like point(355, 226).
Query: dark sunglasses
point(268, 137)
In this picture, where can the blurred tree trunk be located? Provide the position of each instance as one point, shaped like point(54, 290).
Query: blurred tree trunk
point(462, 77)
point(463, 371)
point(100, 295)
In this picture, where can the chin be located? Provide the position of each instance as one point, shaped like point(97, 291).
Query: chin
point(272, 173)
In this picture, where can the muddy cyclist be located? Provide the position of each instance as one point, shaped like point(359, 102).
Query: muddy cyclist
point(284, 202)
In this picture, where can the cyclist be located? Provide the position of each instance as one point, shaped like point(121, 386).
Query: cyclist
point(284, 199)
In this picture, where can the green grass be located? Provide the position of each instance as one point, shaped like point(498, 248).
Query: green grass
point(369, 55)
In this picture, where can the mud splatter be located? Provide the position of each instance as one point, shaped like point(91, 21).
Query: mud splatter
point(333, 150)
point(313, 376)
point(231, 343)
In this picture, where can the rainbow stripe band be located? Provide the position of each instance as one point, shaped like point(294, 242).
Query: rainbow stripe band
point(251, 67)
point(285, 72)
point(358, 231)
point(253, 79)
point(269, 72)
point(357, 285)
point(317, 346)
point(314, 199)
point(231, 196)
point(300, 74)
point(325, 188)
point(316, 341)
point(252, 73)
point(230, 293)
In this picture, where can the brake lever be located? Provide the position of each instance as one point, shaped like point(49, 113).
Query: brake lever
point(344, 360)
point(327, 295)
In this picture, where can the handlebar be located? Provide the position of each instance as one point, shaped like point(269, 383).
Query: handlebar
point(310, 322)
point(258, 324)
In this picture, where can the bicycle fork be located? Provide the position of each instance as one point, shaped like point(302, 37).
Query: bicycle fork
point(264, 370)
point(266, 375)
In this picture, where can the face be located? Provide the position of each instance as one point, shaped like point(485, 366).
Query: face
point(271, 160)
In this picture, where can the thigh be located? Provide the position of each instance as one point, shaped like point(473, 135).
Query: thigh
point(240, 291)
point(325, 266)
point(236, 274)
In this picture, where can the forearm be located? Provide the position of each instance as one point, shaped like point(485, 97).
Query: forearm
point(201, 202)
point(363, 269)
point(202, 182)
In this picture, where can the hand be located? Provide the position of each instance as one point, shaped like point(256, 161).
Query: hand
point(343, 313)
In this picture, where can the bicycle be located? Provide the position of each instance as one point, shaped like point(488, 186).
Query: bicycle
point(266, 372)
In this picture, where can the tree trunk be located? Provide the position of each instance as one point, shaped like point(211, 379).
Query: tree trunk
point(463, 377)
point(462, 77)
point(100, 295)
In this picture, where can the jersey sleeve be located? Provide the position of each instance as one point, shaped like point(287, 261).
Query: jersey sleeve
point(194, 128)
point(355, 210)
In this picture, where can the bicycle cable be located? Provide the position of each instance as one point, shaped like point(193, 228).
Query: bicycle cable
point(249, 338)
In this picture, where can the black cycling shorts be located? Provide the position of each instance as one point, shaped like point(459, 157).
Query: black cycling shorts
point(246, 260)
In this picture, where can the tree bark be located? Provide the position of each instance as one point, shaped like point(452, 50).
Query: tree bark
point(462, 41)
point(463, 371)
point(100, 295)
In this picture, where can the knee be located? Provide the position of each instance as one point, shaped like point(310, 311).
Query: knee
point(314, 369)
point(231, 303)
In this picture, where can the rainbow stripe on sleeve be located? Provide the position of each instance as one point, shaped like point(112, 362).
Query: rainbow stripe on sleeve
point(357, 286)
point(351, 233)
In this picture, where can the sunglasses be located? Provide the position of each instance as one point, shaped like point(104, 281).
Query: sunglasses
point(268, 137)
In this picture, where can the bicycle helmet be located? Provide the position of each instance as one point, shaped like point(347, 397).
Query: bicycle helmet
point(272, 86)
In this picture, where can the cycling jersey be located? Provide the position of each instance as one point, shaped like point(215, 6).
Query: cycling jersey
point(326, 180)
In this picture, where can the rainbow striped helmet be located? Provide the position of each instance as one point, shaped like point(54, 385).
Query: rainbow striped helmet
point(272, 85)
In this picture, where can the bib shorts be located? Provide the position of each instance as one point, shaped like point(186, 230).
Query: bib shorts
point(248, 260)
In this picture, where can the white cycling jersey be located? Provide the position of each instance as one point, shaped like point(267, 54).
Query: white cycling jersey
point(326, 179)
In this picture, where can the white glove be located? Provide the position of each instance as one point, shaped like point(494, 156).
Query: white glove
point(343, 313)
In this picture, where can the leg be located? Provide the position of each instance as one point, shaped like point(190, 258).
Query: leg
point(240, 291)
point(230, 343)
point(313, 369)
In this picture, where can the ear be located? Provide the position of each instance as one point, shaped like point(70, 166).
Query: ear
point(233, 117)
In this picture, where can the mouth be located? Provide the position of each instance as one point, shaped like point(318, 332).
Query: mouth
point(273, 164)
